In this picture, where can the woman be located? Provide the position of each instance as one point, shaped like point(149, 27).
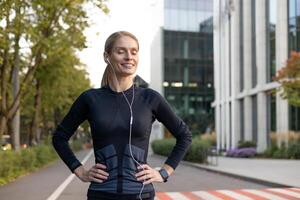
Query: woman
point(120, 115)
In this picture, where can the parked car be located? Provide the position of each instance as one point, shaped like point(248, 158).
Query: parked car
point(6, 143)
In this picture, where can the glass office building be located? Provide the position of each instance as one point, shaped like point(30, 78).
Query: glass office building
point(252, 40)
point(188, 60)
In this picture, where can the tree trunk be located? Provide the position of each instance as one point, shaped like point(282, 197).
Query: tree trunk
point(34, 129)
point(15, 122)
point(3, 80)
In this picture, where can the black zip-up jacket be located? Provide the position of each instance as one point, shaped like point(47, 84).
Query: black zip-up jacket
point(108, 115)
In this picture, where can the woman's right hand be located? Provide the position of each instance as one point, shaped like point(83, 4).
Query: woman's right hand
point(96, 173)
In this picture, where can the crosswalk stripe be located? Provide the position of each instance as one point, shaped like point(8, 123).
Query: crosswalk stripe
point(191, 196)
point(294, 189)
point(206, 196)
point(162, 196)
point(221, 195)
point(239, 194)
point(177, 196)
point(265, 194)
point(285, 196)
point(235, 195)
point(253, 196)
point(288, 192)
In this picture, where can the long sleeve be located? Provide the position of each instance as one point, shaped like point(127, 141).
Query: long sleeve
point(177, 127)
point(75, 116)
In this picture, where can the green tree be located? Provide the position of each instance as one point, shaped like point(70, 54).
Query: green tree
point(289, 78)
point(49, 28)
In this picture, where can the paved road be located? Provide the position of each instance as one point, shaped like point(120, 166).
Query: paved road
point(40, 185)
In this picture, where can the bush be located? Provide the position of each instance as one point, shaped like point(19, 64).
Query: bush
point(27, 158)
point(280, 153)
point(246, 144)
point(209, 137)
point(163, 147)
point(293, 150)
point(270, 151)
point(44, 154)
point(197, 152)
point(14, 164)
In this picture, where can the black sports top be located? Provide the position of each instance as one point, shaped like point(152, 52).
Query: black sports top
point(108, 115)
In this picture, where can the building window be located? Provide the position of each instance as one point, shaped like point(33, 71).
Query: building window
point(241, 47)
point(254, 117)
point(272, 17)
point(271, 116)
point(188, 60)
point(294, 45)
point(253, 44)
point(242, 121)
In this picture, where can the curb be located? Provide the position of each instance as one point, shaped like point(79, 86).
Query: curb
point(230, 174)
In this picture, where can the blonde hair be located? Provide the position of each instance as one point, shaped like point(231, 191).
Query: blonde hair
point(109, 44)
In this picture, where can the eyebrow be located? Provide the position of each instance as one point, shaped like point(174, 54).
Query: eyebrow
point(133, 48)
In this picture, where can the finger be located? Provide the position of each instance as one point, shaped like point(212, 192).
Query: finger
point(96, 180)
point(143, 178)
point(144, 166)
point(100, 166)
point(148, 181)
point(104, 173)
point(99, 176)
point(97, 171)
point(141, 173)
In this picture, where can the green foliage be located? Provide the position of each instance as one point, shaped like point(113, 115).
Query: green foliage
point(163, 147)
point(292, 151)
point(246, 144)
point(199, 122)
point(15, 164)
point(211, 138)
point(289, 78)
point(270, 151)
point(197, 152)
point(51, 33)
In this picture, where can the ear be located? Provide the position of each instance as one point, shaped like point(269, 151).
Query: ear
point(105, 56)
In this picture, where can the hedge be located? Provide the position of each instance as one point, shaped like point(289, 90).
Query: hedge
point(292, 151)
point(14, 164)
point(197, 152)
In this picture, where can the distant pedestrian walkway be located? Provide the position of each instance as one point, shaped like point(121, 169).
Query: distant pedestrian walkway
point(244, 194)
point(279, 172)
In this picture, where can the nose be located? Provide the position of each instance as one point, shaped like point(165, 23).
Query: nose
point(129, 55)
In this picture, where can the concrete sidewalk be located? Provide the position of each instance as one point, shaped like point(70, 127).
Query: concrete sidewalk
point(276, 172)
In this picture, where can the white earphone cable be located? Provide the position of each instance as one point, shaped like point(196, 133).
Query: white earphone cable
point(130, 125)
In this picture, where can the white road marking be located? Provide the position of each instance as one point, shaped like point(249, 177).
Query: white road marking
point(63, 186)
point(206, 195)
point(177, 196)
point(283, 191)
point(235, 195)
point(266, 194)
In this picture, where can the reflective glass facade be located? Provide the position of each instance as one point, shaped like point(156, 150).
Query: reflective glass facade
point(294, 45)
point(272, 18)
point(188, 60)
point(271, 61)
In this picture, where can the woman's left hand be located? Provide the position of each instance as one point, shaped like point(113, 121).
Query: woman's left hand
point(148, 175)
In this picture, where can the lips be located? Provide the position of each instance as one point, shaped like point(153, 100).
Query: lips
point(127, 65)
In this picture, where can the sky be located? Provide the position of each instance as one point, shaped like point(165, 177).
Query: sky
point(140, 17)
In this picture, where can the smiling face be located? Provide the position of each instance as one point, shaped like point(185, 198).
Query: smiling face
point(124, 56)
